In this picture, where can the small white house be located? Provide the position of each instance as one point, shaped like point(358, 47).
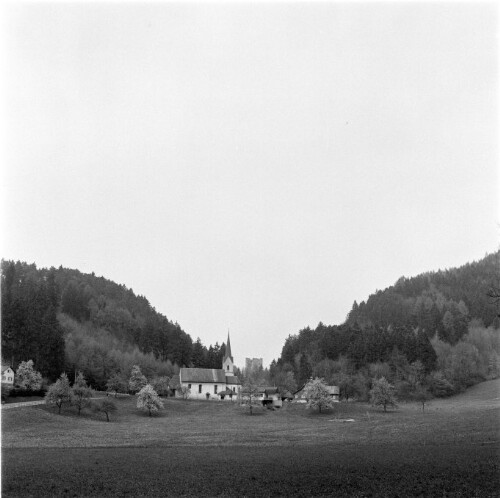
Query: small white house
point(334, 392)
point(7, 375)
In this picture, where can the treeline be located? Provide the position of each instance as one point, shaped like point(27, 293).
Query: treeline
point(66, 320)
point(437, 330)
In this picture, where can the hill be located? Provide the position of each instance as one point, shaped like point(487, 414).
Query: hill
point(443, 323)
point(442, 302)
point(67, 320)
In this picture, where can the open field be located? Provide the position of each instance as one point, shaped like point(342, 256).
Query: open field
point(197, 448)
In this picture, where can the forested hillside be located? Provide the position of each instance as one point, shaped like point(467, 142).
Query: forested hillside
point(436, 324)
point(67, 320)
point(442, 302)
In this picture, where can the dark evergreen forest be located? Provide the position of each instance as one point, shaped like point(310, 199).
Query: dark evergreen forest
point(67, 320)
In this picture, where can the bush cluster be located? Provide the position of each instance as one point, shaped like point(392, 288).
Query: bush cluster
point(17, 392)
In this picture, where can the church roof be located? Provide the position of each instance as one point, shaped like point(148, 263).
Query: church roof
point(232, 379)
point(215, 375)
point(202, 375)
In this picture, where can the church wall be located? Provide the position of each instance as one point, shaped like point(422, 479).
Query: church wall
point(206, 387)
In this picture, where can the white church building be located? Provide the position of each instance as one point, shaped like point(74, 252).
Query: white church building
point(212, 383)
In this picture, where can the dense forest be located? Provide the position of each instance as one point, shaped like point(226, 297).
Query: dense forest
point(66, 320)
point(439, 329)
point(438, 325)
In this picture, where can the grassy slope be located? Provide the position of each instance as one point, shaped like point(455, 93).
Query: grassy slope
point(202, 449)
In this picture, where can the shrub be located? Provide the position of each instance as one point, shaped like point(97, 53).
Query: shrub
point(439, 386)
point(6, 390)
point(18, 392)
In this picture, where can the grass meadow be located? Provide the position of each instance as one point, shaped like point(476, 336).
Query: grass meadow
point(197, 448)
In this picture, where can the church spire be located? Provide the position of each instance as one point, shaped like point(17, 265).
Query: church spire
point(228, 348)
point(227, 362)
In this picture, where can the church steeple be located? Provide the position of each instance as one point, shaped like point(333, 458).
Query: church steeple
point(228, 354)
point(227, 362)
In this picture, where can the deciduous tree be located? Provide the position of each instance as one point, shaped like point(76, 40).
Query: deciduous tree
point(80, 393)
point(27, 377)
point(137, 379)
point(105, 406)
point(148, 399)
point(317, 395)
point(422, 395)
point(116, 384)
point(383, 394)
point(161, 385)
point(249, 394)
point(59, 393)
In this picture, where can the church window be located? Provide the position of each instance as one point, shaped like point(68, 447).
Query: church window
point(215, 389)
point(199, 388)
point(228, 367)
point(189, 386)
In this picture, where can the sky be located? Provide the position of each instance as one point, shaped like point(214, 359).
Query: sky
point(252, 167)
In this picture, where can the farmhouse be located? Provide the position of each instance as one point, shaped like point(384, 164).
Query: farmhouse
point(7, 375)
point(334, 392)
point(212, 383)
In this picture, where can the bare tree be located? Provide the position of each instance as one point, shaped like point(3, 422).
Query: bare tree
point(105, 406)
point(249, 394)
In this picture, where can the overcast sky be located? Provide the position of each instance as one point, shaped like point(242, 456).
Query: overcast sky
point(256, 167)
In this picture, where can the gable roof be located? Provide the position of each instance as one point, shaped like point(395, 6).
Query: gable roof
point(202, 375)
point(232, 379)
point(5, 367)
